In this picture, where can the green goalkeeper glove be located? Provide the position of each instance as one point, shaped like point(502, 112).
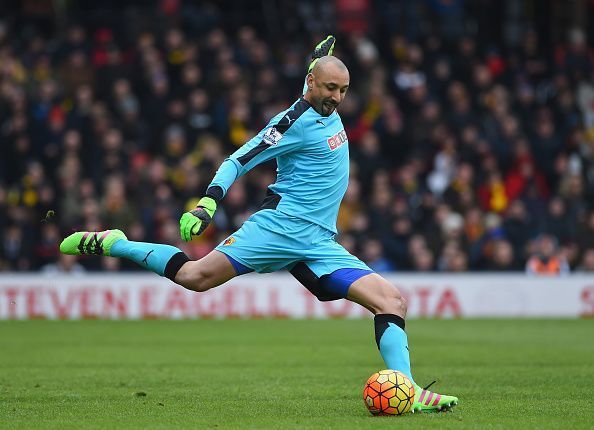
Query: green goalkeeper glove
point(325, 47)
point(193, 223)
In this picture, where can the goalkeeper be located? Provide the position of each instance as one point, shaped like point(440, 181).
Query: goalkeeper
point(295, 227)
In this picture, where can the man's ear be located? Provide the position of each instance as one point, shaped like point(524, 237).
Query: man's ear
point(310, 81)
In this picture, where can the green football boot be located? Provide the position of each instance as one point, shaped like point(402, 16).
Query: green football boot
point(91, 242)
point(325, 47)
point(428, 401)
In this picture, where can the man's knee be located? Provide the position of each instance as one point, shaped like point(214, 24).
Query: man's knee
point(391, 301)
point(388, 300)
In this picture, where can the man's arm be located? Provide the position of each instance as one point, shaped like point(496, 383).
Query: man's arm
point(282, 135)
point(279, 137)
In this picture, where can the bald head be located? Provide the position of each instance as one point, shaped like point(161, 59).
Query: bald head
point(327, 85)
point(329, 64)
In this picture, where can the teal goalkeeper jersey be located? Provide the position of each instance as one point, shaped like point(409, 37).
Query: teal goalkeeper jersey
point(313, 163)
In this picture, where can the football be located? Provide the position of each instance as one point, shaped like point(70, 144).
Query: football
point(388, 392)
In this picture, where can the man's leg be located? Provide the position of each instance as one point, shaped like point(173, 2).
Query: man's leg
point(210, 271)
point(370, 290)
point(165, 260)
point(331, 272)
point(389, 307)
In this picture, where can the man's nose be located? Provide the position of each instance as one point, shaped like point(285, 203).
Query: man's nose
point(336, 96)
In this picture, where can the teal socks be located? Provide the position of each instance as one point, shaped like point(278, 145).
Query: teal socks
point(164, 260)
point(392, 342)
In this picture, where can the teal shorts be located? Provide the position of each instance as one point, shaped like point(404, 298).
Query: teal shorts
point(271, 240)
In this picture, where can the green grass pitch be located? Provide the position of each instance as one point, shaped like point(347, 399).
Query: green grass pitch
point(283, 374)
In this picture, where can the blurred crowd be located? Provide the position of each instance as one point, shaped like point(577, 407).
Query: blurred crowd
point(465, 155)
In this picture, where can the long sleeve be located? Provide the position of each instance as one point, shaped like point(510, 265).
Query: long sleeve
point(283, 134)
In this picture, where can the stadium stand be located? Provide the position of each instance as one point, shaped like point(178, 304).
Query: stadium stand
point(467, 145)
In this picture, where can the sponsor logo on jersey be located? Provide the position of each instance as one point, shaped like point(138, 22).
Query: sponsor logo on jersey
point(337, 140)
point(272, 136)
point(229, 241)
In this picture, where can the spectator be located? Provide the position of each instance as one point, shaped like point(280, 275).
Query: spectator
point(503, 259)
point(557, 222)
point(586, 232)
point(64, 264)
point(587, 261)
point(373, 254)
point(545, 259)
point(518, 228)
point(423, 261)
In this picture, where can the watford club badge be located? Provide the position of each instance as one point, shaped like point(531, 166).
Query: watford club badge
point(229, 241)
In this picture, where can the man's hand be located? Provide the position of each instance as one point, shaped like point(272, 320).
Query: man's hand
point(325, 47)
point(193, 223)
